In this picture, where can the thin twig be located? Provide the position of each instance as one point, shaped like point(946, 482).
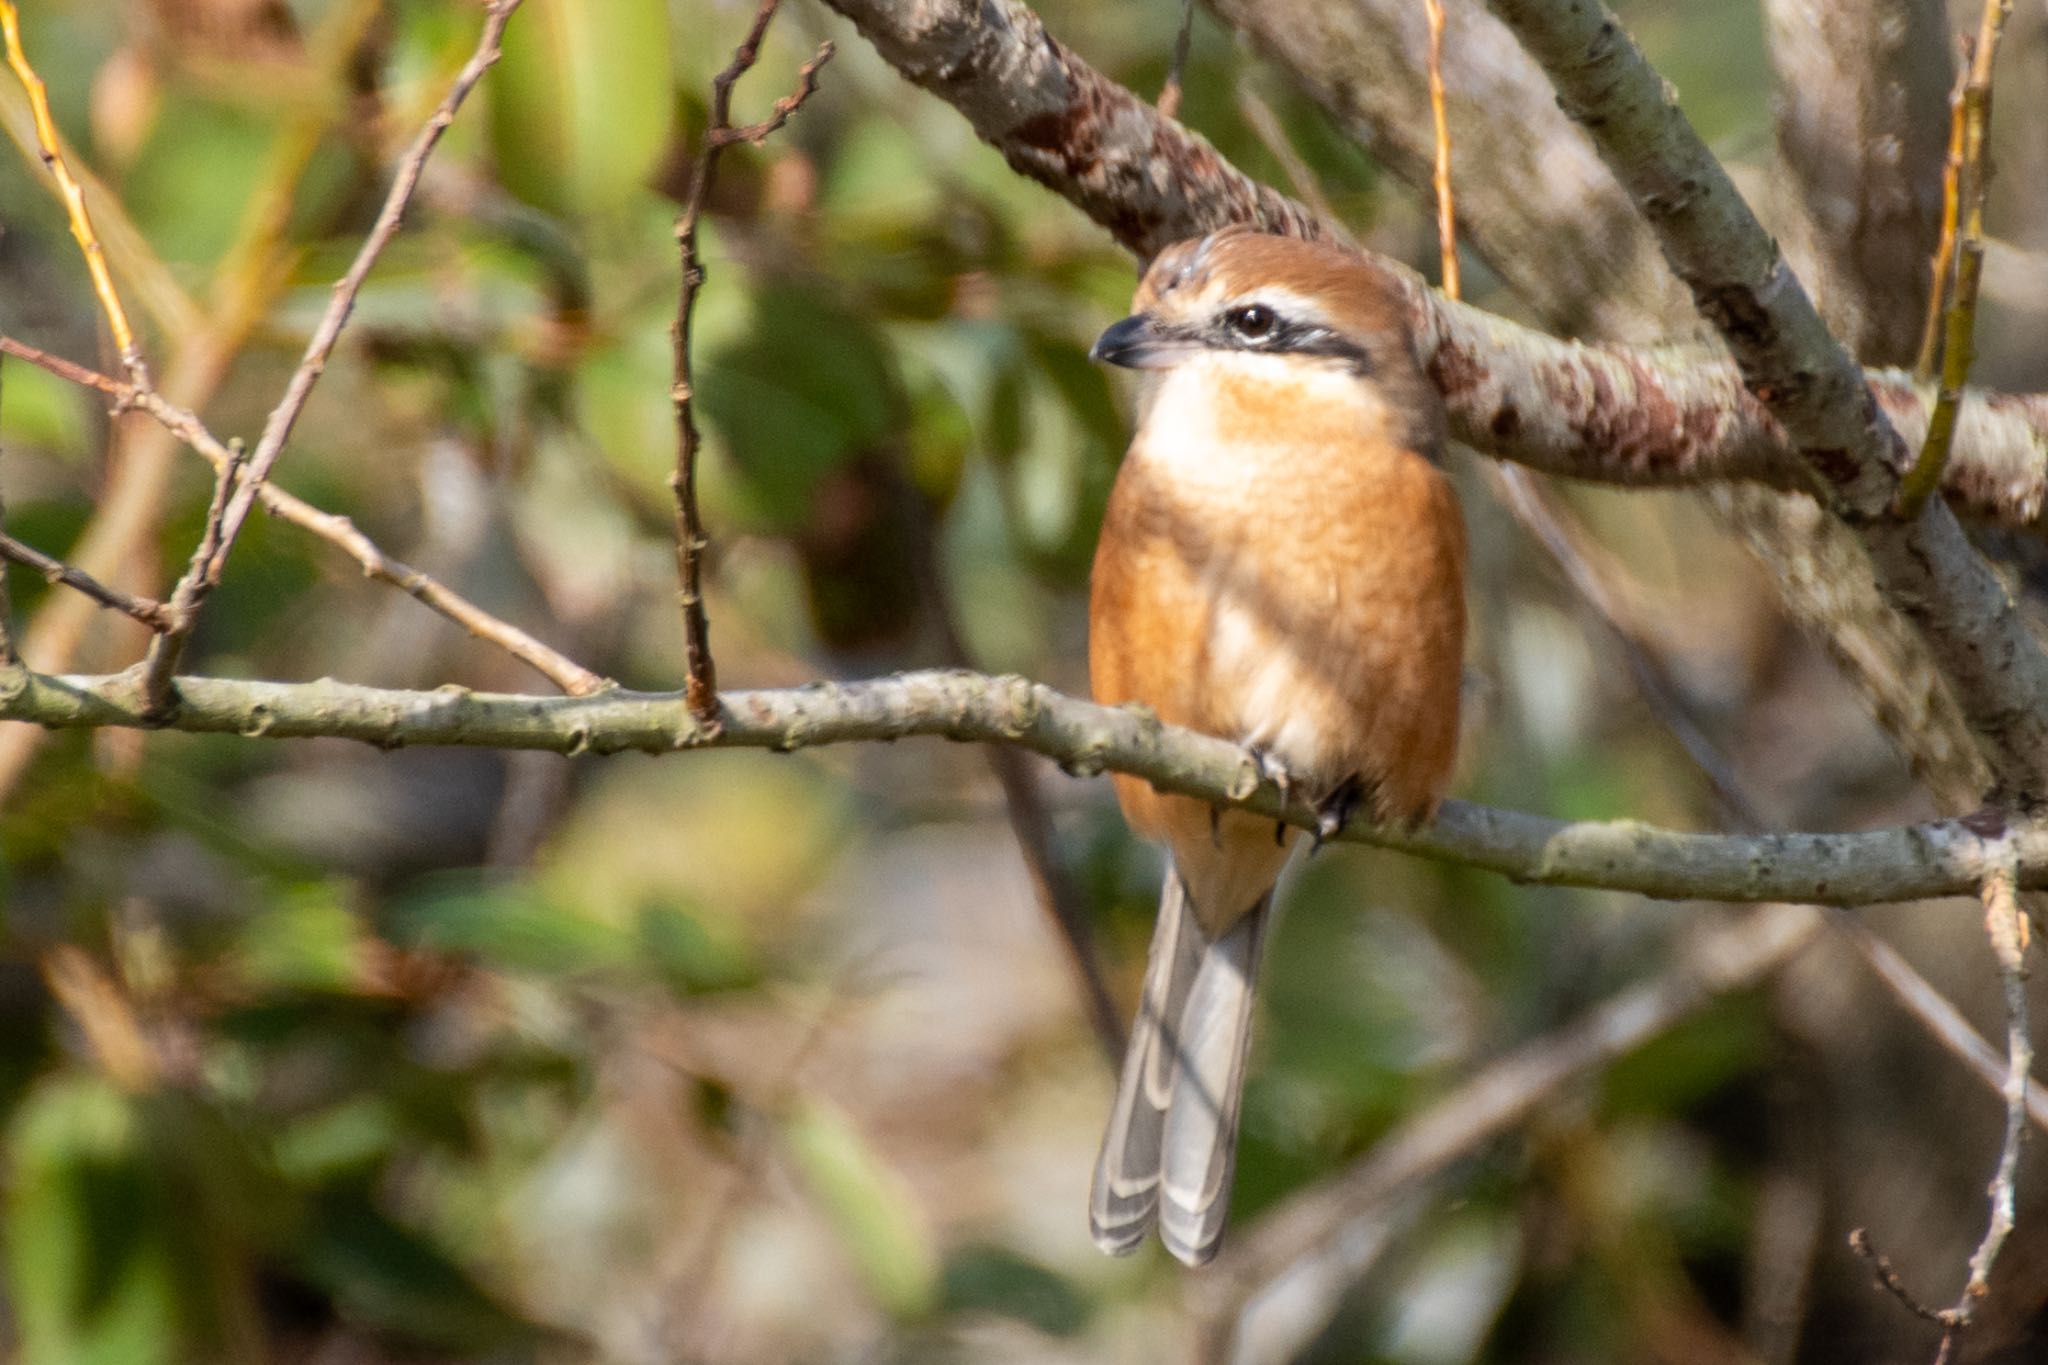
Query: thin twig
point(56, 571)
point(225, 477)
point(126, 518)
point(1940, 267)
point(1887, 1277)
point(1958, 347)
point(8, 654)
point(1446, 208)
point(193, 589)
point(572, 677)
point(1168, 102)
point(2006, 926)
point(50, 147)
point(691, 540)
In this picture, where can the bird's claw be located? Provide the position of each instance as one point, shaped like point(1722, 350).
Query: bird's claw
point(1274, 771)
point(1334, 811)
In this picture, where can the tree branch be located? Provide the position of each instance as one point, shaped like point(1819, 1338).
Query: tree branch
point(1742, 285)
point(54, 571)
point(691, 539)
point(1939, 858)
point(192, 590)
point(1543, 211)
point(1615, 414)
point(1293, 1263)
point(331, 527)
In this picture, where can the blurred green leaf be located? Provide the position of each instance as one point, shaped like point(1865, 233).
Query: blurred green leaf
point(991, 1279)
point(874, 1214)
point(693, 956)
point(510, 927)
point(40, 410)
point(307, 940)
point(391, 1277)
point(580, 106)
point(350, 1137)
point(91, 1269)
point(1684, 1066)
point(804, 389)
point(199, 168)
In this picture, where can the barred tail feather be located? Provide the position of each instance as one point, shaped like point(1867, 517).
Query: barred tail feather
point(1169, 1150)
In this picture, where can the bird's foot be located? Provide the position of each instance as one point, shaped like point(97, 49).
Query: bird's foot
point(1274, 771)
point(1334, 811)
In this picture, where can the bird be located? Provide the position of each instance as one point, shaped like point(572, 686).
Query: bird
point(1281, 563)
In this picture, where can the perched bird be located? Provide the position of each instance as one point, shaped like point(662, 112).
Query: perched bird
point(1282, 564)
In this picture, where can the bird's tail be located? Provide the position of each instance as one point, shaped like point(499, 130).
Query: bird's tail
point(1172, 1137)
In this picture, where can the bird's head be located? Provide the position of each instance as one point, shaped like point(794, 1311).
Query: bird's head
point(1304, 336)
point(1240, 293)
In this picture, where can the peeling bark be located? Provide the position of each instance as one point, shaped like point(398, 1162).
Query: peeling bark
point(1803, 375)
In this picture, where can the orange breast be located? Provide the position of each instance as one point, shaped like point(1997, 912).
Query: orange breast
point(1275, 569)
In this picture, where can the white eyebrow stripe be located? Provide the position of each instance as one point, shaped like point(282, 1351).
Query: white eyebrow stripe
point(1299, 307)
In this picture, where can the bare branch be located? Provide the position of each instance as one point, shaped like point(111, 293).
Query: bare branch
point(192, 590)
point(1959, 348)
point(691, 541)
point(1608, 413)
point(572, 677)
point(1887, 1279)
point(51, 148)
point(55, 571)
point(1289, 1254)
point(2006, 926)
point(1803, 375)
point(1916, 862)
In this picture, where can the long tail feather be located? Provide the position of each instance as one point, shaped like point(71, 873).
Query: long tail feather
point(1168, 1152)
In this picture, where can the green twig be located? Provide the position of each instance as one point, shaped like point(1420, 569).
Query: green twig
point(1959, 340)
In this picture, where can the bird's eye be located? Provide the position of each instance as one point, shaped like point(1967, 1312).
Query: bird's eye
point(1253, 322)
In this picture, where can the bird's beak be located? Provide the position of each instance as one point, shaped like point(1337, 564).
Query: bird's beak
point(1138, 343)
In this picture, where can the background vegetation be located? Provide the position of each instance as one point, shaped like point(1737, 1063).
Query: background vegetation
point(309, 1052)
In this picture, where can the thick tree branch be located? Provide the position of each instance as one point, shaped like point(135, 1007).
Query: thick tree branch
point(1609, 413)
point(1742, 285)
point(1940, 858)
point(1534, 199)
point(1562, 235)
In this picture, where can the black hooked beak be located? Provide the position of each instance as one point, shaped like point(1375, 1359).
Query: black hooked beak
point(1139, 343)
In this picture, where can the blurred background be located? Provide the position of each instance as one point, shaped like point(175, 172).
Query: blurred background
point(314, 1053)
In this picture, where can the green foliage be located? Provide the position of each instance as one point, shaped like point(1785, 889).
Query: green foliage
point(725, 1056)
